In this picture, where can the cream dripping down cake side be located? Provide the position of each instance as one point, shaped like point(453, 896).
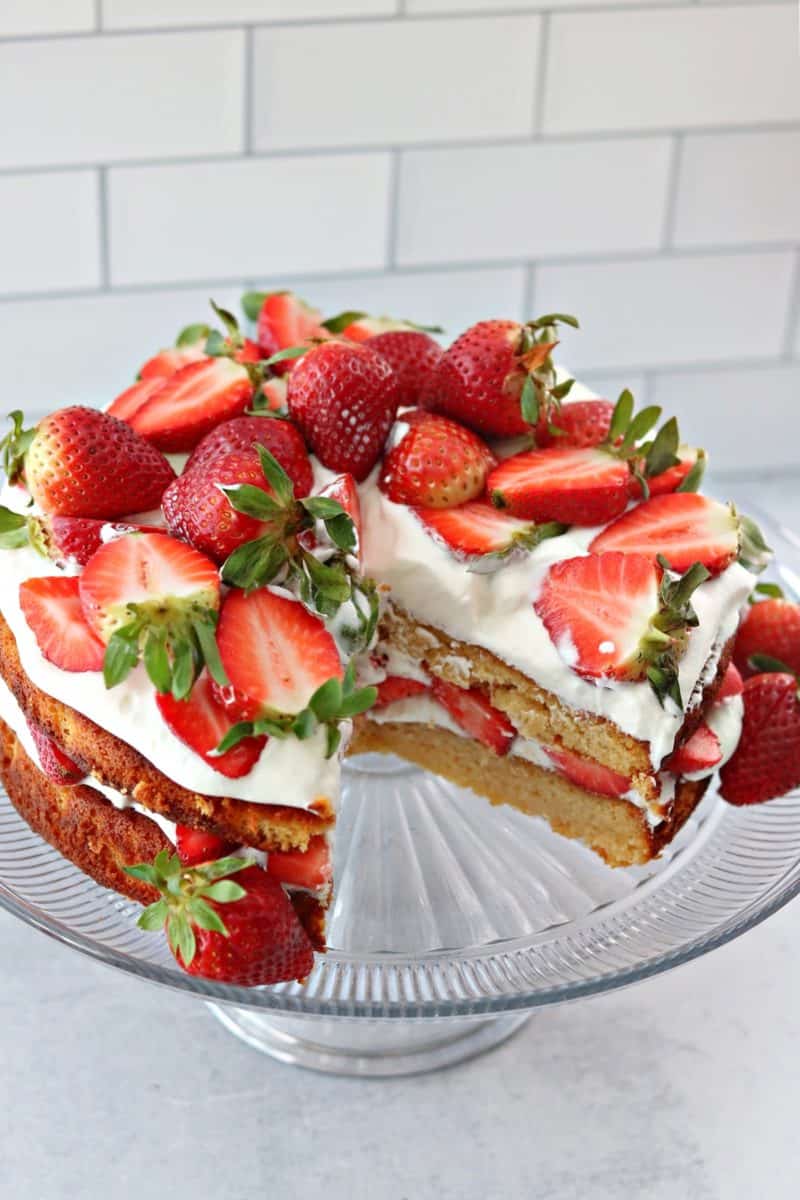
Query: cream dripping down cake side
point(337, 538)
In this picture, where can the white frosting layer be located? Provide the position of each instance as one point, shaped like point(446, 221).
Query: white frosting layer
point(496, 611)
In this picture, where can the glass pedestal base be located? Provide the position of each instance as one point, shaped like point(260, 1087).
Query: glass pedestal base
point(368, 1048)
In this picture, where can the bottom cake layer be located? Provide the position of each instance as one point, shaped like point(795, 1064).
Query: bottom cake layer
point(97, 837)
point(615, 829)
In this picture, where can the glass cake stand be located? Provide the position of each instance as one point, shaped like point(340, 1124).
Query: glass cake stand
point(453, 920)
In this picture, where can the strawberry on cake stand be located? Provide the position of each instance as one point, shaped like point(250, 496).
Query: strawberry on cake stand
point(277, 623)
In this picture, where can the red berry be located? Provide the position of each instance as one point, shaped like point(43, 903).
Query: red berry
point(134, 398)
point(56, 765)
point(310, 868)
point(476, 528)
point(198, 510)
point(771, 627)
point(192, 402)
point(587, 774)
point(413, 356)
point(732, 684)
point(700, 752)
point(167, 362)
point(766, 763)
point(396, 687)
point(52, 607)
point(470, 709)
point(437, 464)
point(197, 846)
point(580, 424)
point(285, 320)
point(76, 539)
point(281, 438)
point(578, 487)
point(683, 526)
point(480, 377)
point(201, 722)
point(344, 397)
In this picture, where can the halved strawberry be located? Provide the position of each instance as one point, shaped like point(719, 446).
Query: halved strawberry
point(363, 327)
point(192, 401)
point(583, 423)
point(732, 684)
point(578, 487)
point(397, 687)
point(615, 616)
point(282, 320)
point(196, 846)
point(201, 722)
point(167, 362)
point(700, 752)
point(275, 652)
point(134, 398)
point(311, 868)
point(593, 776)
point(52, 607)
point(470, 709)
point(151, 594)
point(683, 526)
point(437, 464)
point(671, 479)
point(281, 438)
point(476, 529)
point(55, 764)
point(76, 539)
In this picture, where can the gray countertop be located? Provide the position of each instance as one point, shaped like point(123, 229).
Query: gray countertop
point(684, 1086)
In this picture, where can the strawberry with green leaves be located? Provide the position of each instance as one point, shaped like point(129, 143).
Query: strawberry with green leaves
point(281, 438)
point(78, 462)
point(200, 720)
point(619, 616)
point(479, 533)
point(436, 464)
point(227, 920)
point(284, 670)
point(152, 597)
point(189, 347)
point(65, 540)
point(283, 320)
point(498, 377)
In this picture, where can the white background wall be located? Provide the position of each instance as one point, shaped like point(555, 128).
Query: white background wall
point(635, 163)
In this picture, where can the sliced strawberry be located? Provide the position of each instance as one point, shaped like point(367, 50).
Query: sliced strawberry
point(52, 607)
point(671, 479)
point(584, 423)
point(700, 752)
point(284, 320)
point(76, 539)
point(365, 327)
point(578, 487)
point(275, 652)
point(470, 709)
point(586, 773)
point(437, 464)
point(55, 764)
point(683, 526)
point(397, 687)
point(201, 723)
point(771, 627)
point(598, 610)
point(196, 846)
point(134, 398)
point(281, 438)
point(274, 391)
point(476, 528)
point(310, 869)
point(192, 401)
point(167, 362)
point(766, 763)
point(732, 684)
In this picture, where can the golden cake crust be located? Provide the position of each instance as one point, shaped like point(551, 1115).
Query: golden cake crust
point(615, 829)
point(117, 765)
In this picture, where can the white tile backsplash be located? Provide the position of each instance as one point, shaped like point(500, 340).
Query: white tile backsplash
point(49, 231)
point(742, 416)
point(19, 17)
point(154, 14)
point(392, 81)
point(223, 220)
point(739, 187)
point(659, 311)
point(111, 99)
point(634, 161)
point(667, 68)
point(543, 200)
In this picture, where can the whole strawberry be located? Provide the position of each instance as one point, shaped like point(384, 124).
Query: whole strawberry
point(580, 425)
point(226, 920)
point(437, 464)
point(771, 628)
point(197, 510)
point(344, 397)
point(498, 376)
point(766, 763)
point(414, 357)
point(83, 463)
point(281, 438)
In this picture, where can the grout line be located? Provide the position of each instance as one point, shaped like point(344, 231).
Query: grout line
point(248, 88)
point(673, 187)
point(465, 144)
point(98, 16)
point(529, 292)
point(105, 243)
point(793, 315)
point(540, 91)
point(393, 216)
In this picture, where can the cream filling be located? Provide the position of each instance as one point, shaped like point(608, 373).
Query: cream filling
point(725, 719)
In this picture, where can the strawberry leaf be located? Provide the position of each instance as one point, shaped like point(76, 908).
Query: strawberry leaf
point(156, 661)
point(341, 321)
point(154, 916)
point(621, 417)
point(692, 481)
point(327, 699)
point(285, 355)
point(215, 346)
point(183, 668)
point(224, 892)
point(276, 477)
point(529, 402)
point(229, 321)
point(205, 631)
point(190, 335)
point(15, 445)
point(122, 655)
point(754, 553)
point(13, 529)
point(765, 662)
point(663, 453)
point(252, 303)
point(773, 590)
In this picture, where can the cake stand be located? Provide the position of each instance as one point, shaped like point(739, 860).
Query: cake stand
point(453, 920)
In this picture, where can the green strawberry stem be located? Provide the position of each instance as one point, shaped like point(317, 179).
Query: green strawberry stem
point(540, 394)
point(185, 892)
point(174, 651)
point(15, 445)
point(667, 638)
point(334, 701)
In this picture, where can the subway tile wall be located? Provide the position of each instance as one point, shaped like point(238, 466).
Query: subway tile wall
point(634, 161)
